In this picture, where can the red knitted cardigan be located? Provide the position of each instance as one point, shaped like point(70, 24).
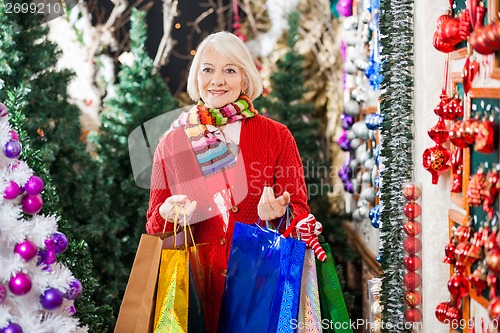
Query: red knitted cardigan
point(268, 156)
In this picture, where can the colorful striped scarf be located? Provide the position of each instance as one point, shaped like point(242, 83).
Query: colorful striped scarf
point(212, 154)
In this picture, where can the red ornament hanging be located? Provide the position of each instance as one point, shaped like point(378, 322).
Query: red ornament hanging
point(478, 280)
point(486, 139)
point(494, 309)
point(449, 251)
point(462, 233)
point(441, 310)
point(412, 280)
point(453, 315)
point(492, 260)
point(471, 68)
point(436, 160)
point(412, 263)
point(458, 285)
point(412, 228)
point(439, 133)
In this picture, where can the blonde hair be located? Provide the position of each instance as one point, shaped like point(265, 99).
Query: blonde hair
point(230, 46)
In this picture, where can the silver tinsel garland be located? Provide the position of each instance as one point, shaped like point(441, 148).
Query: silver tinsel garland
point(396, 31)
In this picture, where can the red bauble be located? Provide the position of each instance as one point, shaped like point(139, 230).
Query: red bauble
point(412, 210)
point(494, 308)
point(493, 260)
point(449, 251)
point(412, 263)
point(411, 192)
point(412, 245)
point(453, 315)
point(413, 315)
point(441, 310)
point(458, 285)
point(412, 228)
point(413, 298)
point(412, 280)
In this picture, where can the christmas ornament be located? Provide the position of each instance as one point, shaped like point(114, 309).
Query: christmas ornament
point(374, 121)
point(494, 309)
point(462, 133)
point(492, 260)
point(439, 133)
point(413, 298)
point(3, 293)
point(441, 46)
point(462, 233)
point(453, 110)
point(60, 242)
point(13, 135)
point(27, 250)
point(75, 290)
point(50, 253)
point(412, 210)
point(32, 204)
point(20, 284)
point(441, 310)
point(3, 110)
point(412, 228)
point(461, 255)
point(453, 315)
point(34, 185)
point(374, 216)
point(11, 191)
point(51, 299)
point(413, 315)
point(436, 161)
point(411, 192)
point(478, 280)
point(347, 121)
point(412, 245)
point(458, 285)
point(471, 68)
point(449, 251)
point(412, 263)
point(486, 140)
point(12, 328)
point(412, 280)
point(12, 149)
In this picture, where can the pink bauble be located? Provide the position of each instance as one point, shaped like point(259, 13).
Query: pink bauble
point(11, 191)
point(27, 250)
point(14, 135)
point(3, 293)
point(32, 204)
point(34, 185)
point(20, 284)
point(3, 110)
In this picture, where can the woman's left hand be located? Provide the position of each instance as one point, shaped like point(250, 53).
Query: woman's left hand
point(270, 207)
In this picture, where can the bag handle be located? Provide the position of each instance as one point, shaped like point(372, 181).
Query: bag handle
point(185, 225)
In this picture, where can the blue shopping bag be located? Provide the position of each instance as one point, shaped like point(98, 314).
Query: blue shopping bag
point(262, 288)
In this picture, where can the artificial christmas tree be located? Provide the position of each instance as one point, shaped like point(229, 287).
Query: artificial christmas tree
point(37, 292)
point(141, 95)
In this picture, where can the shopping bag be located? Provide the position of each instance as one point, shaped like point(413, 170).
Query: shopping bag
point(261, 269)
point(182, 286)
point(137, 308)
point(335, 318)
point(309, 320)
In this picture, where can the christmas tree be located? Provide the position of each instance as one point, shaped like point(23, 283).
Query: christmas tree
point(141, 94)
point(51, 125)
point(37, 292)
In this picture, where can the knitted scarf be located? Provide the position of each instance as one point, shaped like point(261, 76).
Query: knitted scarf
point(212, 154)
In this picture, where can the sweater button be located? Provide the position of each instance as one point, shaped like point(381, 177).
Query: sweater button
point(224, 272)
point(235, 209)
point(222, 241)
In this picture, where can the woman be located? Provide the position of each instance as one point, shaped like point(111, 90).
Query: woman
point(222, 161)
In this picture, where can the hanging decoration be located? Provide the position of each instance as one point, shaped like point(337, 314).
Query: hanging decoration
point(396, 53)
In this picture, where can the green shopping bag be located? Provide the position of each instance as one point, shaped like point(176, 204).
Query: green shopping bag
point(334, 315)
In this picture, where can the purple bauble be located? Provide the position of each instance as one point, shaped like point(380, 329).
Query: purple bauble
point(3, 293)
point(12, 149)
point(75, 290)
point(61, 242)
point(14, 135)
point(51, 299)
point(12, 190)
point(71, 310)
point(347, 121)
point(12, 328)
point(34, 185)
point(32, 204)
point(27, 250)
point(20, 284)
point(3, 110)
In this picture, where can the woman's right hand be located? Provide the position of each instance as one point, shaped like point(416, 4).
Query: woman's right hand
point(167, 210)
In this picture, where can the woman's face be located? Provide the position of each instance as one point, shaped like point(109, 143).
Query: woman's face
point(220, 81)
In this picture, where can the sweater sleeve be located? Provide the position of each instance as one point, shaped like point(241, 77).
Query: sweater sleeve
point(290, 174)
point(159, 192)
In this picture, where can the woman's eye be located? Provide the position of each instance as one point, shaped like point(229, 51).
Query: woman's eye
point(230, 70)
point(206, 70)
